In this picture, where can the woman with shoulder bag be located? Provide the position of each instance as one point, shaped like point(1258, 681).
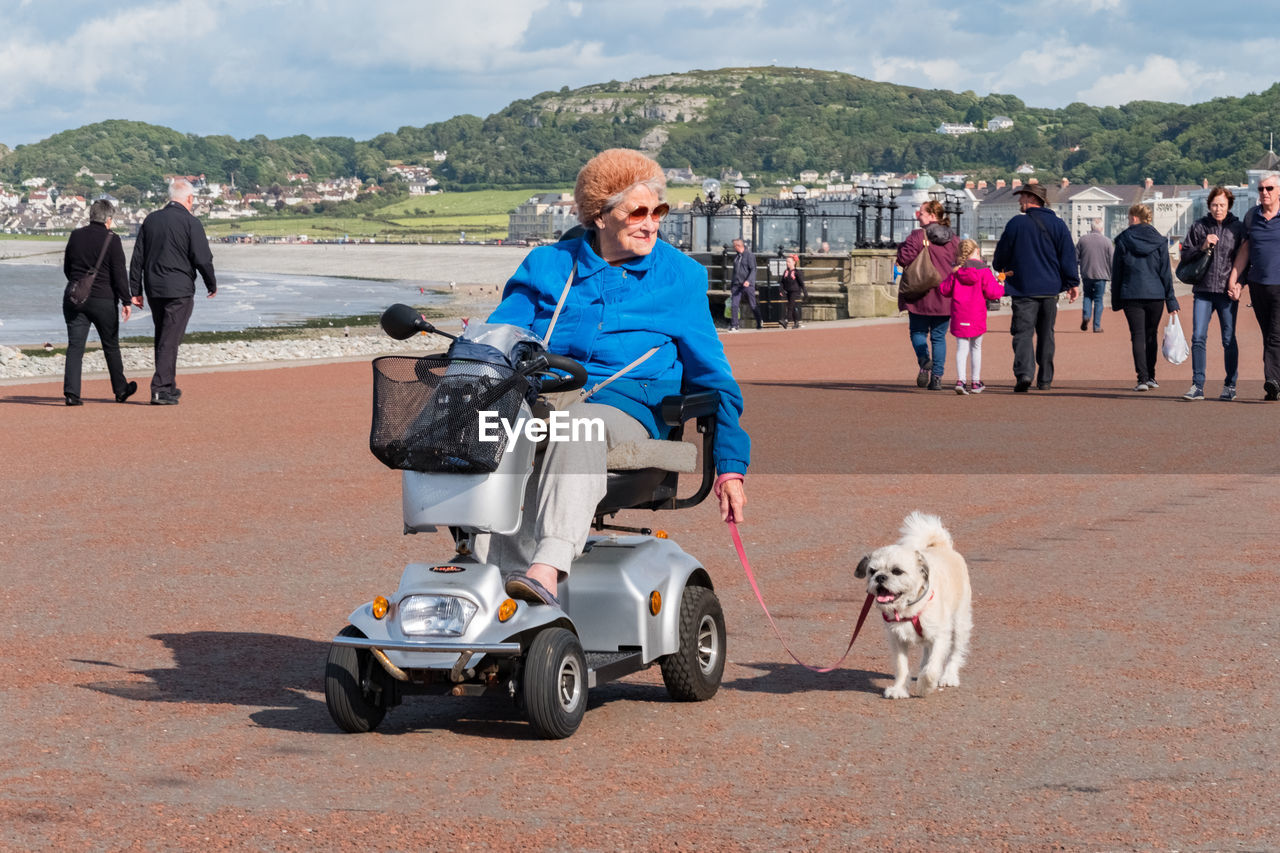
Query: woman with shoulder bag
point(929, 316)
point(96, 246)
point(1220, 234)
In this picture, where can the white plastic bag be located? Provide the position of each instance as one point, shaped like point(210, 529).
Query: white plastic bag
point(1174, 349)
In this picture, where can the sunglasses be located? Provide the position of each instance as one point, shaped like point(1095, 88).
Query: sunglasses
point(1267, 189)
point(640, 214)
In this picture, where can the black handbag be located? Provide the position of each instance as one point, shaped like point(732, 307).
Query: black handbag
point(1190, 272)
point(77, 292)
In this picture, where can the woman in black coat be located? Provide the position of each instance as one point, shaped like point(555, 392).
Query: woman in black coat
point(110, 286)
point(792, 283)
point(1142, 287)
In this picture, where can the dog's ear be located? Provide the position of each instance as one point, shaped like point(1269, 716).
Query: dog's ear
point(924, 566)
point(861, 571)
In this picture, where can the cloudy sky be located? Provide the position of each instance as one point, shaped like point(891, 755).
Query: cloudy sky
point(360, 67)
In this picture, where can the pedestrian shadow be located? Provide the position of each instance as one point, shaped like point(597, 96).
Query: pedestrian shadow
point(33, 400)
point(790, 678)
point(268, 671)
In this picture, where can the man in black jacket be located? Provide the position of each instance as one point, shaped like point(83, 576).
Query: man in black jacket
point(171, 247)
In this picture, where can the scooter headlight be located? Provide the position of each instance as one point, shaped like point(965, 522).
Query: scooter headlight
point(435, 615)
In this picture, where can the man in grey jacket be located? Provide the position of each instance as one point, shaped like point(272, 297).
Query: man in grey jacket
point(1095, 252)
point(743, 284)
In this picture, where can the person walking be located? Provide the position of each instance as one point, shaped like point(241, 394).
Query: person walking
point(170, 249)
point(1142, 287)
point(1220, 233)
point(928, 316)
point(969, 287)
point(96, 245)
point(792, 283)
point(1258, 265)
point(743, 283)
point(1094, 251)
point(1038, 259)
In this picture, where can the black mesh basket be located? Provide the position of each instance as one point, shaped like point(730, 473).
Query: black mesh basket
point(426, 412)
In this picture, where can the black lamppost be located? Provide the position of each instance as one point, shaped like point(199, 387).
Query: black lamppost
point(741, 187)
point(879, 188)
point(955, 207)
point(894, 188)
point(799, 193)
point(709, 207)
point(864, 192)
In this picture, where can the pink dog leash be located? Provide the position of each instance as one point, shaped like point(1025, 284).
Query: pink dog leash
point(746, 567)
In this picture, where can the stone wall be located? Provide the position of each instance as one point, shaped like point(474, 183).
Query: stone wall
point(840, 286)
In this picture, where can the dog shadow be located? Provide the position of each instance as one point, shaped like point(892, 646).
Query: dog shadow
point(788, 678)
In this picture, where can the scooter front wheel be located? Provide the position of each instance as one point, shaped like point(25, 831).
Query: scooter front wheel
point(692, 673)
point(355, 686)
point(554, 683)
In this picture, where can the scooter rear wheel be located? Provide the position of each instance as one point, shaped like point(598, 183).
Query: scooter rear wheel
point(355, 686)
point(692, 673)
point(554, 683)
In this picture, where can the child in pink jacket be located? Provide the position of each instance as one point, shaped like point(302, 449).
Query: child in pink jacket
point(970, 285)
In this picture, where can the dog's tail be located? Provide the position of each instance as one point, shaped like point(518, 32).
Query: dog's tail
point(921, 531)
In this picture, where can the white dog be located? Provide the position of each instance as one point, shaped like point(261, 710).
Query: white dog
point(921, 586)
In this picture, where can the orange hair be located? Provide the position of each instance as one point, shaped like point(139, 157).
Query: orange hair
point(609, 173)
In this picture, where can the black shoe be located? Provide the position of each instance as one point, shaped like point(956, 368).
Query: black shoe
point(926, 368)
point(129, 391)
point(935, 383)
point(73, 400)
point(159, 399)
point(1044, 386)
point(1084, 325)
point(1023, 383)
point(1272, 389)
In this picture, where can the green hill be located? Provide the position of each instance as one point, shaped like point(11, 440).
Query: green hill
point(767, 122)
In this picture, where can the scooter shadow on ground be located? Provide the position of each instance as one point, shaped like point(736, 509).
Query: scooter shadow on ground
point(216, 668)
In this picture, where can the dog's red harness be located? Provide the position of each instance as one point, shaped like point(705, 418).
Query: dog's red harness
point(915, 620)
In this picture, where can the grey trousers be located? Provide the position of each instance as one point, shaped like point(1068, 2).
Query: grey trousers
point(567, 484)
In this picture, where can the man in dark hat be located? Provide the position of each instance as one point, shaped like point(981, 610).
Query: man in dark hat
point(1038, 259)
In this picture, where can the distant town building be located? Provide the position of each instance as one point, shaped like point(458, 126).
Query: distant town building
point(999, 123)
point(949, 129)
point(543, 217)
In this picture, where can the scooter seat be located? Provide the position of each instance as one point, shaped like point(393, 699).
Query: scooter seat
point(667, 455)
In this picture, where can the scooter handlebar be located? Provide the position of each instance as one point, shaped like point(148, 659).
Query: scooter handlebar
point(577, 373)
point(402, 322)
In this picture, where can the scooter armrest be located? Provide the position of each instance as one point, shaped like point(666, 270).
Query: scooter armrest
point(700, 404)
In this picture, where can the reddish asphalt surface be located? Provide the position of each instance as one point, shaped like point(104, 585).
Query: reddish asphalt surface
point(172, 577)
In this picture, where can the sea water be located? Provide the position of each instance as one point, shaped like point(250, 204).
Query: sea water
point(31, 302)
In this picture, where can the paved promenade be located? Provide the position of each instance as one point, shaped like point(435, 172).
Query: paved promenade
point(172, 576)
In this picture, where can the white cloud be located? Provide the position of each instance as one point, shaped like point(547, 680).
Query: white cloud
point(1159, 78)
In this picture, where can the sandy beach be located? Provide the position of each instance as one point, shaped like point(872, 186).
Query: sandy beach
point(482, 266)
point(472, 276)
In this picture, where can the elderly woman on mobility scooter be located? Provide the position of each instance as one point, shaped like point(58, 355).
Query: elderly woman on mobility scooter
point(628, 294)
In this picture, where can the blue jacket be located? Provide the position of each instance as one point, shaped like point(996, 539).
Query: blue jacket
point(613, 315)
point(1038, 262)
point(1140, 268)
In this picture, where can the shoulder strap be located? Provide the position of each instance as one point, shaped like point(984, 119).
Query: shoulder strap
point(551, 327)
point(102, 253)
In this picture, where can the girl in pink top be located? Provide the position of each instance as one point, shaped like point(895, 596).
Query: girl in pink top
point(970, 285)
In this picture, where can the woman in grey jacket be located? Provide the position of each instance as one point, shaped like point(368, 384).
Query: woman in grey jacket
point(1142, 287)
point(1221, 233)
